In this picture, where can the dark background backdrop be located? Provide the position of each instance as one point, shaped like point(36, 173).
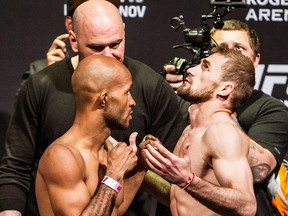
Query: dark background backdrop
point(27, 29)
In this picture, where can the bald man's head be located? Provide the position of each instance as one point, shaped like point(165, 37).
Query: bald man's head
point(96, 11)
point(95, 74)
point(98, 28)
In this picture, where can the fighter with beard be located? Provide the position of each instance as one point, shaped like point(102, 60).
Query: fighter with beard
point(209, 170)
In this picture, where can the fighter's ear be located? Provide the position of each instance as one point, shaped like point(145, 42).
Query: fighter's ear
point(103, 99)
point(226, 89)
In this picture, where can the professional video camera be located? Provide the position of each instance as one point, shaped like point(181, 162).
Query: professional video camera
point(198, 41)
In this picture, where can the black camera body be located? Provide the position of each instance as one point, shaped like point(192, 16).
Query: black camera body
point(198, 41)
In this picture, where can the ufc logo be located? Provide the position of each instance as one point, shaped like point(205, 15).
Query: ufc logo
point(273, 80)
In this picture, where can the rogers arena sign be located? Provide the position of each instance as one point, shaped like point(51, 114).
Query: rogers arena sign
point(267, 10)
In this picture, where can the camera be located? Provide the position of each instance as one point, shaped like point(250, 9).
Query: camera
point(198, 41)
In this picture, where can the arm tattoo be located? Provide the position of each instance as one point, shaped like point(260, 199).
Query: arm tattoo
point(260, 172)
point(103, 202)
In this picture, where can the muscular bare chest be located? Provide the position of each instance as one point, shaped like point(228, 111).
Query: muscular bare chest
point(192, 145)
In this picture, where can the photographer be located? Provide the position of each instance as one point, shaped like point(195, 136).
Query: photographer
point(263, 117)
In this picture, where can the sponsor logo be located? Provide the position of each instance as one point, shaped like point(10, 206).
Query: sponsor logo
point(273, 80)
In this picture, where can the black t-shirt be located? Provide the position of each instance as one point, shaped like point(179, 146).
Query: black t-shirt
point(265, 119)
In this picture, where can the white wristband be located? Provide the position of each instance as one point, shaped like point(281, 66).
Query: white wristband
point(110, 182)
